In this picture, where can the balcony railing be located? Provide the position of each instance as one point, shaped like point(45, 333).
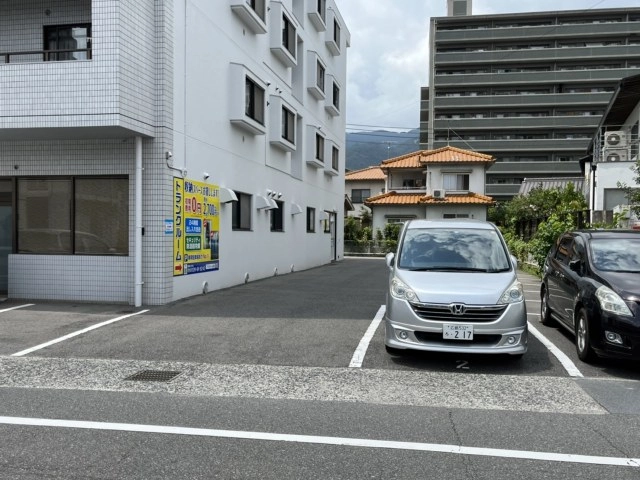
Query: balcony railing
point(47, 55)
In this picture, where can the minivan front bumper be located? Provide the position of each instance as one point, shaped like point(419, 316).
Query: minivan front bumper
point(507, 334)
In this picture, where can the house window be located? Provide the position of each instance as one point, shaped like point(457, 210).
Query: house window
point(277, 217)
point(326, 224)
point(321, 8)
point(258, 6)
point(320, 76)
point(455, 215)
point(335, 158)
point(336, 96)
point(288, 36)
point(67, 216)
point(311, 220)
point(319, 148)
point(241, 212)
point(67, 42)
point(456, 181)
point(288, 125)
point(336, 32)
point(360, 195)
point(254, 101)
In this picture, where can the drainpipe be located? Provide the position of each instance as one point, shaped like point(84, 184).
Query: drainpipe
point(138, 222)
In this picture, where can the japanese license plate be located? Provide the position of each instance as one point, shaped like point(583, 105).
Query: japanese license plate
point(457, 332)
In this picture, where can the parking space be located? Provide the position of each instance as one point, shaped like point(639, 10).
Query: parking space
point(323, 317)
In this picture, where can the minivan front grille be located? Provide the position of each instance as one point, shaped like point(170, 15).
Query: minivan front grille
point(440, 312)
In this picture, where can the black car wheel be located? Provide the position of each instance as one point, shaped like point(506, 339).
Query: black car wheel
point(545, 311)
point(583, 337)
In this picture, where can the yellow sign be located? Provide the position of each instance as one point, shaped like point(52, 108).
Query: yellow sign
point(196, 230)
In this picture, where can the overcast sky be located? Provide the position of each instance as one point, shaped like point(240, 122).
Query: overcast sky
point(388, 59)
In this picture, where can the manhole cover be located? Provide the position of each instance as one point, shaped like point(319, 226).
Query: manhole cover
point(153, 376)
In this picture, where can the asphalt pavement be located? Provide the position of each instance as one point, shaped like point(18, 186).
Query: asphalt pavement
point(263, 384)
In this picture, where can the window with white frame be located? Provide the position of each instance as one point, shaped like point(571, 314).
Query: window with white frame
point(283, 39)
point(320, 76)
point(455, 215)
point(319, 148)
point(316, 75)
point(336, 32)
point(241, 212)
point(288, 125)
point(254, 101)
point(259, 6)
point(288, 35)
point(335, 158)
point(456, 181)
point(311, 220)
point(277, 217)
point(336, 96)
point(253, 13)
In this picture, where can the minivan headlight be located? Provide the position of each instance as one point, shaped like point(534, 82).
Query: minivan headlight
point(401, 291)
point(610, 301)
point(513, 294)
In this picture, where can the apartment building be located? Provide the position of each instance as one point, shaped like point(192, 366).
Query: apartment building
point(152, 150)
point(527, 88)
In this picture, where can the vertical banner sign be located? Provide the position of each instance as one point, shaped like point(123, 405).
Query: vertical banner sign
point(196, 232)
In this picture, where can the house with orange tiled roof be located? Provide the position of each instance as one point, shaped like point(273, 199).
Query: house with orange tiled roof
point(445, 183)
point(362, 184)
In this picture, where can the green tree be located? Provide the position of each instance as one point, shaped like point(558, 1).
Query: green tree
point(553, 210)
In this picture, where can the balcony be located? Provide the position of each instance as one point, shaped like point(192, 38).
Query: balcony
point(546, 55)
point(525, 78)
point(522, 100)
point(517, 145)
point(579, 31)
point(516, 123)
point(79, 82)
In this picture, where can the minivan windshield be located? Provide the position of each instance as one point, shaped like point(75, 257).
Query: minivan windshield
point(616, 254)
point(464, 249)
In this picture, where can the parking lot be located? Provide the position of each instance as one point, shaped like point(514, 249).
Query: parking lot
point(317, 317)
point(303, 353)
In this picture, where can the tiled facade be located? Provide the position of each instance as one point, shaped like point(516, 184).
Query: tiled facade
point(159, 73)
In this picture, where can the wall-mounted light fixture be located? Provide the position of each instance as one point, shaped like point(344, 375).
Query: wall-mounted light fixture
point(205, 175)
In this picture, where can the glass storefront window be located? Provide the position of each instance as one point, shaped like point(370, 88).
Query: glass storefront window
point(87, 216)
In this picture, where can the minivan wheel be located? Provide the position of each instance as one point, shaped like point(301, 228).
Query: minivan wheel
point(583, 337)
point(396, 352)
point(545, 312)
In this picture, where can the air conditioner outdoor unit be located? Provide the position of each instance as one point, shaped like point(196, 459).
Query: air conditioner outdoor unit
point(615, 156)
point(615, 139)
point(438, 193)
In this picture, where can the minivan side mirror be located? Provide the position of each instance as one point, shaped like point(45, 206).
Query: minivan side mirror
point(514, 261)
point(389, 258)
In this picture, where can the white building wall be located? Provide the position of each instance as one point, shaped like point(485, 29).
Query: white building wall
point(208, 41)
point(164, 68)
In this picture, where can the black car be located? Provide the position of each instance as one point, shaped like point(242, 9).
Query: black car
point(591, 286)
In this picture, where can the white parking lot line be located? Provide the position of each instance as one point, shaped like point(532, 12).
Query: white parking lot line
point(566, 362)
point(74, 334)
point(321, 440)
point(17, 307)
point(358, 355)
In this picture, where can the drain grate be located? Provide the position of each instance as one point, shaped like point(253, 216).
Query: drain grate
point(153, 376)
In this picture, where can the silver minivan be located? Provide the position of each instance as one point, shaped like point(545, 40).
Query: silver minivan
point(453, 288)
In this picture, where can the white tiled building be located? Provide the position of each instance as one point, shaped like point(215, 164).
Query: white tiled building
point(116, 114)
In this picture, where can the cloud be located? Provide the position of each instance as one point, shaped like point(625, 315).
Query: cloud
point(388, 61)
